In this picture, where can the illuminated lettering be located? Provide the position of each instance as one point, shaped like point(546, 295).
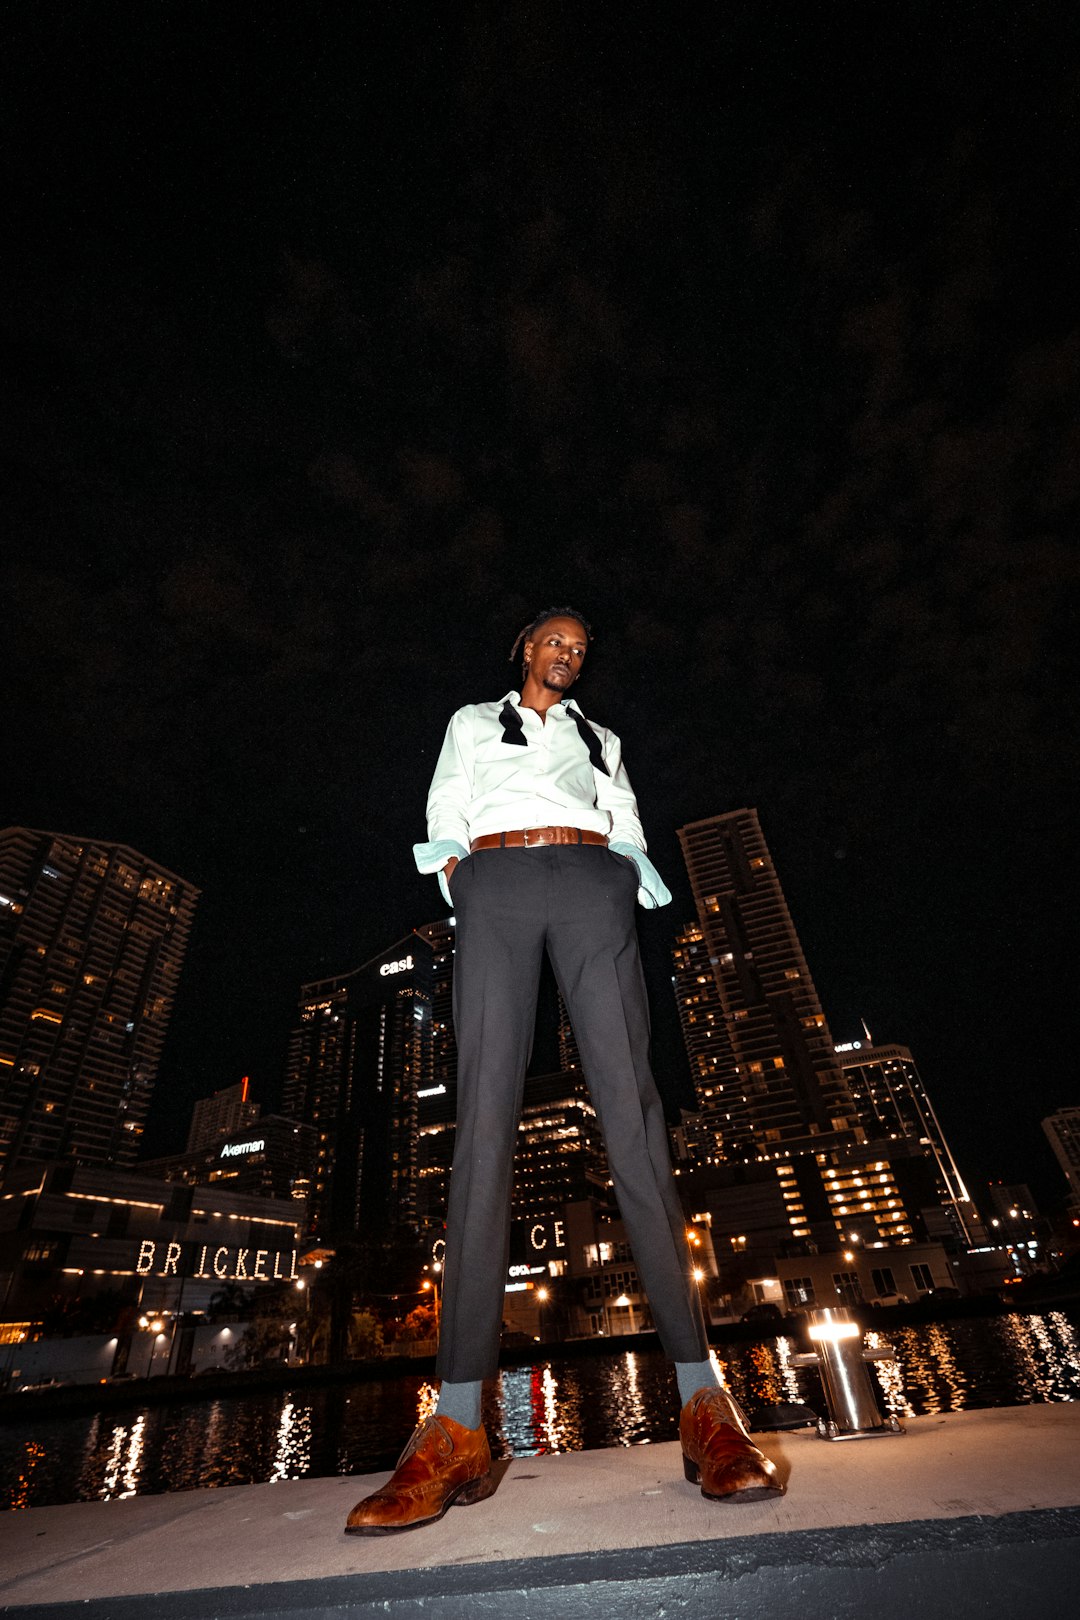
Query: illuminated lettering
point(402, 966)
point(438, 1250)
point(547, 1234)
point(232, 1150)
point(226, 1264)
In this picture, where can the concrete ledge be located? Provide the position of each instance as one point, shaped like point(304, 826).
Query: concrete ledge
point(974, 1512)
point(1021, 1565)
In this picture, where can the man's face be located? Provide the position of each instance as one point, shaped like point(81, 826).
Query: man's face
point(557, 653)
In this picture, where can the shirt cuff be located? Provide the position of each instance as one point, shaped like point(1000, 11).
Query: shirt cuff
point(652, 890)
point(433, 857)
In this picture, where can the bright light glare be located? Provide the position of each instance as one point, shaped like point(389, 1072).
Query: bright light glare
point(833, 1332)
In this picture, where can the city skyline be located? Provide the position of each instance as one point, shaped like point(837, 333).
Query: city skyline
point(708, 1049)
point(878, 1084)
point(338, 351)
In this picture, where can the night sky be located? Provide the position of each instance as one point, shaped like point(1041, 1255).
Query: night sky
point(344, 337)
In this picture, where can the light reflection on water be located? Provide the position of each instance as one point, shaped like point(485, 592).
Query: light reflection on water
point(620, 1399)
point(890, 1377)
point(123, 1459)
point(293, 1457)
point(789, 1375)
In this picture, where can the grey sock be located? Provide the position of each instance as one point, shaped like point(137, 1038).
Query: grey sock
point(461, 1402)
point(692, 1376)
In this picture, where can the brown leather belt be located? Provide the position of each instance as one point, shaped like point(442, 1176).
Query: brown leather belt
point(530, 837)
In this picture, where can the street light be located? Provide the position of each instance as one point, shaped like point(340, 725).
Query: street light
point(302, 1288)
point(542, 1297)
point(157, 1329)
point(432, 1283)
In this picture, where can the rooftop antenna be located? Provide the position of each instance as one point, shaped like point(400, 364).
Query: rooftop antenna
point(866, 1032)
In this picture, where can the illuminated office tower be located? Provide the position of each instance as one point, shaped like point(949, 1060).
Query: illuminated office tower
point(92, 940)
point(1062, 1131)
point(560, 1157)
point(361, 1069)
point(272, 1157)
point(437, 1097)
point(892, 1105)
point(719, 1131)
point(569, 1056)
point(782, 1057)
point(221, 1115)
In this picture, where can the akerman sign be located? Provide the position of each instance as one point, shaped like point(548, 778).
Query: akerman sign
point(218, 1262)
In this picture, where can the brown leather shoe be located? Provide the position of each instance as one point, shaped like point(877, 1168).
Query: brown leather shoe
point(718, 1451)
point(443, 1463)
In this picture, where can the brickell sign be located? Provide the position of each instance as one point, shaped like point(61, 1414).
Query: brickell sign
point(215, 1263)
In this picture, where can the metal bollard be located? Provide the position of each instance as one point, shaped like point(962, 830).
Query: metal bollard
point(841, 1361)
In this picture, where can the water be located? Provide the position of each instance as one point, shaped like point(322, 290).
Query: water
point(570, 1404)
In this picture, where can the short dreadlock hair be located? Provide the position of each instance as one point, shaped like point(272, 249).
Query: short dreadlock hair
point(529, 632)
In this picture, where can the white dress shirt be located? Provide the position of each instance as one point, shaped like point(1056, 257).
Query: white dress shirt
point(482, 784)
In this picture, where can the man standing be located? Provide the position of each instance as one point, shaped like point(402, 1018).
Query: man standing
point(535, 834)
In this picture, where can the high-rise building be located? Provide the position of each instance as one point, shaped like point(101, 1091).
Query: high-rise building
point(222, 1114)
point(1062, 1130)
point(794, 1142)
point(1012, 1200)
point(782, 1077)
point(569, 1056)
point(370, 1066)
point(436, 1115)
point(92, 940)
point(719, 1131)
point(273, 1157)
point(560, 1156)
point(892, 1105)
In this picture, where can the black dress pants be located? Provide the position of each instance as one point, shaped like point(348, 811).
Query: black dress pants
point(578, 902)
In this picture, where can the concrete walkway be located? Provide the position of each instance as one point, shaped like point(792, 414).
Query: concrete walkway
point(977, 1512)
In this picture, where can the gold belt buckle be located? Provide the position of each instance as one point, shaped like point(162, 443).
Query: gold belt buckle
point(525, 837)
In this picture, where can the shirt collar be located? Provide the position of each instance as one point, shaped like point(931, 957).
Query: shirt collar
point(515, 698)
